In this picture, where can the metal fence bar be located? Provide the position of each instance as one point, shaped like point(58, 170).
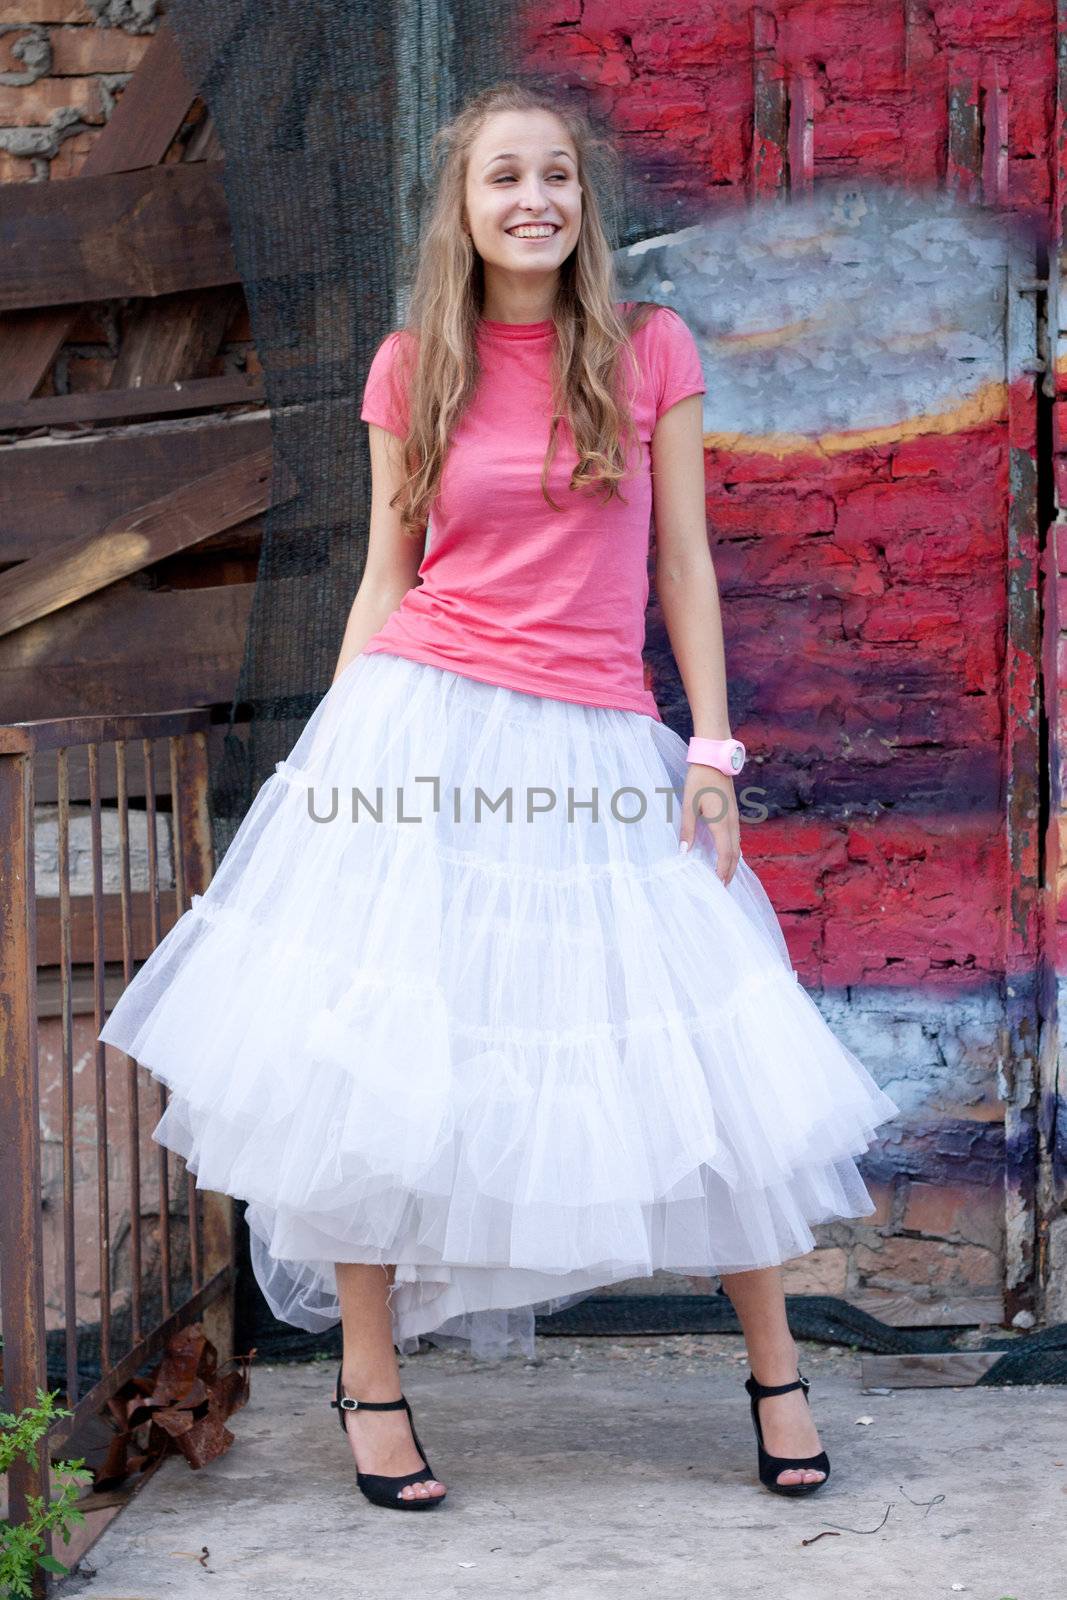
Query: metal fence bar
point(21, 1245)
point(162, 1161)
point(100, 1061)
point(181, 904)
point(70, 1293)
point(211, 1235)
point(216, 1236)
point(132, 1075)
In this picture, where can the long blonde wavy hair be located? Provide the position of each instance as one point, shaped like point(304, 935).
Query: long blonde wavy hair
point(438, 365)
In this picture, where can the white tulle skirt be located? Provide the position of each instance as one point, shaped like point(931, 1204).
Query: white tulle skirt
point(520, 1049)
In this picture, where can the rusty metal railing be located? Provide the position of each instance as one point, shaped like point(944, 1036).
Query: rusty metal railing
point(84, 926)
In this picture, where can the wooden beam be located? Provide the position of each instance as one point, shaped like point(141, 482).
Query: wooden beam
point(82, 990)
point(174, 336)
point(919, 1308)
point(40, 734)
point(149, 232)
point(935, 1370)
point(81, 925)
point(46, 783)
point(127, 650)
point(53, 490)
point(114, 405)
point(173, 522)
point(149, 113)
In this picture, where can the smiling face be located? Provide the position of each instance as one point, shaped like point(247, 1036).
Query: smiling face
point(523, 201)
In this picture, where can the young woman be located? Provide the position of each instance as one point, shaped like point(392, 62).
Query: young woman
point(474, 1013)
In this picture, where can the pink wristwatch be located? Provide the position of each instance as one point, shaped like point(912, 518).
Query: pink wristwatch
point(727, 755)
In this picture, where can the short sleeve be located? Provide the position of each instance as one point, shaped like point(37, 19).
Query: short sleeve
point(677, 370)
point(385, 399)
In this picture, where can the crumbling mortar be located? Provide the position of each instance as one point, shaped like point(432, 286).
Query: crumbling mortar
point(109, 82)
point(133, 16)
point(34, 48)
point(44, 142)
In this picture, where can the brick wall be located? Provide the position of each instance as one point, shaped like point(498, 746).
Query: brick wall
point(915, 990)
point(62, 64)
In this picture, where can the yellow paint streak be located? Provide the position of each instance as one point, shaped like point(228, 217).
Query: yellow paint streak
point(764, 338)
point(987, 405)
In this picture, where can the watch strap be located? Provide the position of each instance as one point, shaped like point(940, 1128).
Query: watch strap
point(727, 755)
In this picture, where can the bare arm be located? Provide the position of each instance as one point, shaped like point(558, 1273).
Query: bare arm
point(688, 594)
point(393, 556)
point(685, 579)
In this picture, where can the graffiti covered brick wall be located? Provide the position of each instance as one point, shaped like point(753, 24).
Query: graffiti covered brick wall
point(858, 238)
point(857, 208)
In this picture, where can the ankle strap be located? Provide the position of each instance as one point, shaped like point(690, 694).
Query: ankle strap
point(758, 1389)
point(346, 1403)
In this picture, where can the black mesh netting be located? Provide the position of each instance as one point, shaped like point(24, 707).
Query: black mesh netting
point(324, 111)
point(1037, 1357)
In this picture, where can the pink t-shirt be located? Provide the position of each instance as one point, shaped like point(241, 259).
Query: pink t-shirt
point(512, 591)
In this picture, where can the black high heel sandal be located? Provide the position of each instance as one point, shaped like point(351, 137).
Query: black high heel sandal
point(770, 1466)
point(380, 1490)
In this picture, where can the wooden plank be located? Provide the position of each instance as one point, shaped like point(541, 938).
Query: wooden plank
point(154, 400)
point(82, 990)
point(149, 232)
point(46, 786)
point(203, 143)
point(56, 733)
point(29, 343)
point(174, 336)
point(52, 490)
point(149, 112)
point(943, 1369)
point(173, 522)
point(915, 1309)
point(140, 130)
point(127, 650)
point(81, 925)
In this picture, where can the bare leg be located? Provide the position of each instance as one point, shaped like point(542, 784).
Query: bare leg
point(381, 1440)
point(788, 1430)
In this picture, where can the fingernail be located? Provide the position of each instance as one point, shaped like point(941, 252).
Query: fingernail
point(683, 847)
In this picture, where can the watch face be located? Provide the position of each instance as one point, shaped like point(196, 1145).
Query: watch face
point(737, 759)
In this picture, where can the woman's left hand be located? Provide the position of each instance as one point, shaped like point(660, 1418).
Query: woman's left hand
point(709, 793)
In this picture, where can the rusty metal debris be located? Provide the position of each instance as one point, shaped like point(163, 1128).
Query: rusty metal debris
point(181, 1406)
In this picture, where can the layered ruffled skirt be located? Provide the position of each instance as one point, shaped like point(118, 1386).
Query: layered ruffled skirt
point(454, 1000)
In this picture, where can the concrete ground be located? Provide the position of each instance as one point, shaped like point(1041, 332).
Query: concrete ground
point(622, 1468)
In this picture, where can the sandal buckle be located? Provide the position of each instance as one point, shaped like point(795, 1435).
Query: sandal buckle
point(348, 1404)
